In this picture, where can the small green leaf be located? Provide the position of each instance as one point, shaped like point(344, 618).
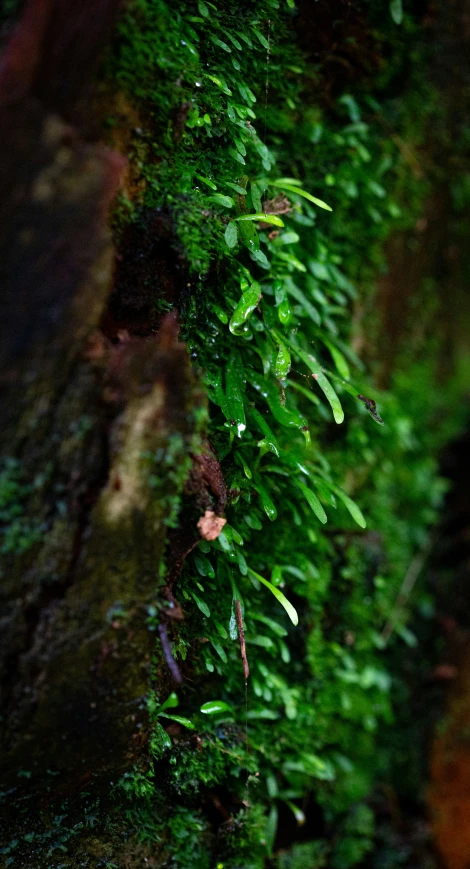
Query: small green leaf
point(235, 391)
point(298, 190)
point(266, 714)
point(268, 504)
point(207, 181)
point(245, 308)
point(240, 190)
point(300, 297)
point(338, 358)
point(319, 377)
point(221, 199)
point(236, 156)
point(351, 505)
point(262, 39)
point(284, 312)
point(201, 604)
point(213, 707)
point(396, 11)
point(180, 720)
point(283, 362)
point(256, 192)
point(231, 234)
point(269, 437)
point(247, 471)
point(290, 610)
point(262, 217)
point(203, 10)
point(221, 314)
point(221, 44)
point(220, 83)
point(170, 702)
point(313, 502)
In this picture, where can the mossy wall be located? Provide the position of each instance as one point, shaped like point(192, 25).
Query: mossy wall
point(276, 153)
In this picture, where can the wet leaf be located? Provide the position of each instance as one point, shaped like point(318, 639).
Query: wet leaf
point(245, 308)
point(284, 312)
point(235, 390)
point(269, 437)
point(207, 181)
point(268, 504)
point(283, 362)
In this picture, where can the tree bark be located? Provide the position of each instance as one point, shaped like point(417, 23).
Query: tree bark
point(94, 449)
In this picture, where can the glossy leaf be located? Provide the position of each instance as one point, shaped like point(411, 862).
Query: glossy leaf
point(283, 362)
point(290, 610)
point(245, 307)
point(298, 190)
point(267, 502)
point(269, 437)
point(324, 384)
point(170, 702)
point(235, 389)
point(261, 217)
point(215, 707)
point(180, 720)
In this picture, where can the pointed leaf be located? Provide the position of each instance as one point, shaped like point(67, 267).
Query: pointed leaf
point(320, 378)
point(290, 610)
point(313, 502)
point(268, 504)
point(180, 720)
point(293, 189)
point(351, 505)
point(262, 217)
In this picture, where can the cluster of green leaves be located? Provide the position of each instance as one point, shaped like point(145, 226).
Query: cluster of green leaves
point(17, 532)
point(282, 210)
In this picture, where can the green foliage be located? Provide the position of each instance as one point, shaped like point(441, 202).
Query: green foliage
point(17, 532)
point(308, 459)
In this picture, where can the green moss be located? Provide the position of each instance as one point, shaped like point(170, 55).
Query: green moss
point(270, 318)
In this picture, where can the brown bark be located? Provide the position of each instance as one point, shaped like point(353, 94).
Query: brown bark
point(83, 425)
